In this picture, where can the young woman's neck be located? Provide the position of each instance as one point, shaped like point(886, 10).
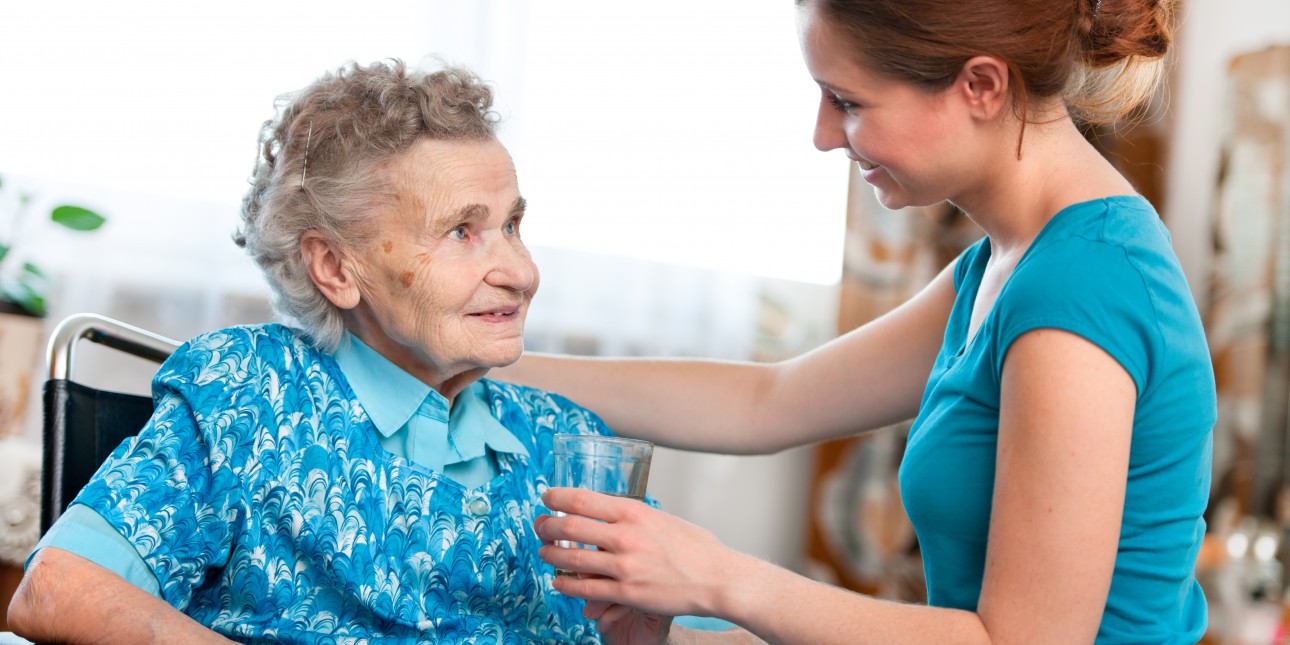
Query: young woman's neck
point(1058, 167)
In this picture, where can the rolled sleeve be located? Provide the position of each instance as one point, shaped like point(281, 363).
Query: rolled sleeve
point(83, 532)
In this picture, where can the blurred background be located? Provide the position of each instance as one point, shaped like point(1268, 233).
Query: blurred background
point(676, 207)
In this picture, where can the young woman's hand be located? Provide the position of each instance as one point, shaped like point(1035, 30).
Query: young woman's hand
point(645, 558)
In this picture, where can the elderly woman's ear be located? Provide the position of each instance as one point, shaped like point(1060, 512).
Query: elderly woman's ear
point(330, 270)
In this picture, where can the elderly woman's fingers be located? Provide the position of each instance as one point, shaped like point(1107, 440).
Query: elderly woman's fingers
point(612, 614)
point(624, 624)
point(594, 609)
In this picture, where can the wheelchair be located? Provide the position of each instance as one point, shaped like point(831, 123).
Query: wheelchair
point(82, 424)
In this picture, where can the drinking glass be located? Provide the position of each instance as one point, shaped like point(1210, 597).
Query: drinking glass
point(609, 465)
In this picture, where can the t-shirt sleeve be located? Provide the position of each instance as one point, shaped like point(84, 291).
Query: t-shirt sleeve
point(170, 491)
point(1089, 288)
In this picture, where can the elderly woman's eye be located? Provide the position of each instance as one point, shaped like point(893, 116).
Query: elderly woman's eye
point(511, 227)
point(458, 233)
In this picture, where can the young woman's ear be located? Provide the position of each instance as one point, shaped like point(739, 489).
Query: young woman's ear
point(330, 270)
point(983, 82)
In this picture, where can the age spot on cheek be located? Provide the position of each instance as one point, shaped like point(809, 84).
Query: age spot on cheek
point(388, 246)
point(405, 279)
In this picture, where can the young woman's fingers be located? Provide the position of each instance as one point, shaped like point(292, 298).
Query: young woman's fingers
point(576, 501)
point(576, 528)
point(588, 562)
point(597, 588)
point(537, 525)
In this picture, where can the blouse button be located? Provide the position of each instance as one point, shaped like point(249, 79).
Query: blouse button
point(480, 506)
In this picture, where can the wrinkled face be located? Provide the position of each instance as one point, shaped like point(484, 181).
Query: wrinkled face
point(447, 283)
point(906, 141)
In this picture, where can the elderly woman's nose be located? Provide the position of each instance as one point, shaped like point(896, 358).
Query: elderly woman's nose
point(513, 268)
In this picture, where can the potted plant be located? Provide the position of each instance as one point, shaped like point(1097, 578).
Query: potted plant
point(23, 287)
point(23, 284)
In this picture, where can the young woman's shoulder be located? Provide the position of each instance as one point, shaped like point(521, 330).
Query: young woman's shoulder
point(1101, 247)
point(1106, 271)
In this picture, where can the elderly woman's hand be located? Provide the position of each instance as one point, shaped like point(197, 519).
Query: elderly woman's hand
point(647, 559)
point(623, 625)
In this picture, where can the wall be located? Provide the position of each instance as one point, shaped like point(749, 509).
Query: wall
point(1212, 31)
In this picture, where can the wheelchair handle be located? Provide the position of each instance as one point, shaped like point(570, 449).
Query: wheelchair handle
point(104, 331)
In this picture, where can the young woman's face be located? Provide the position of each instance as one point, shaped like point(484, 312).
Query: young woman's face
point(906, 141)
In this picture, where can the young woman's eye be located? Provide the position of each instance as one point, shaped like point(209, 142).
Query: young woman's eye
point(840, 105)
point(458, 233)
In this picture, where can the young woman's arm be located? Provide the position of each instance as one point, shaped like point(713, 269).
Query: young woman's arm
point(65, 598)
point(1062, 463)
point(863, 380)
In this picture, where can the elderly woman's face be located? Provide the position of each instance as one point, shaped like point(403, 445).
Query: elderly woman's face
point(446, 286)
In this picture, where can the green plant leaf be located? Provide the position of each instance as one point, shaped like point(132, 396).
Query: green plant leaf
point(77, 218)
point(34, 270)
point(32, 286)
point(25, 296)
point(33, 279)
point(4, 250)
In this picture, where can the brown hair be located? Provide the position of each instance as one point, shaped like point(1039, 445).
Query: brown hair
point(321, 161)
point(1103, 57)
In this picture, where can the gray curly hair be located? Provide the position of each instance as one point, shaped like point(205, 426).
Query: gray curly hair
point(320, 168)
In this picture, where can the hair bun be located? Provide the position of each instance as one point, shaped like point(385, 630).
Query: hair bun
point(1120, 29)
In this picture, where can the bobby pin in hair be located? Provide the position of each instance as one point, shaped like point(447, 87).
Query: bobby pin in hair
point(310, 135)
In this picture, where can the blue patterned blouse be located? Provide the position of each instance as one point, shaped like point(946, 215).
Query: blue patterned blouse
point(260, 497)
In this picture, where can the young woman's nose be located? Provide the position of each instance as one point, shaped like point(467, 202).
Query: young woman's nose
point(829, 134)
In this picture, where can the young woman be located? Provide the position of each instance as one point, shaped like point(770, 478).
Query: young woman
point(1059, 465)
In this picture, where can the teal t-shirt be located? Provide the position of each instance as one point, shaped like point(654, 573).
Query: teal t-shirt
point(1104, 270)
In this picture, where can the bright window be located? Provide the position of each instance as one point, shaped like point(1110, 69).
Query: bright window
point(666, 130)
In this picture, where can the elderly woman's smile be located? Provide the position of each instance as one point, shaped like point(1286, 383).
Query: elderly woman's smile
point(446, 286)
point(500, 314)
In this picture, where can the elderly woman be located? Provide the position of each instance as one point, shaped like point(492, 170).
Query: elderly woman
point(352, 479)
